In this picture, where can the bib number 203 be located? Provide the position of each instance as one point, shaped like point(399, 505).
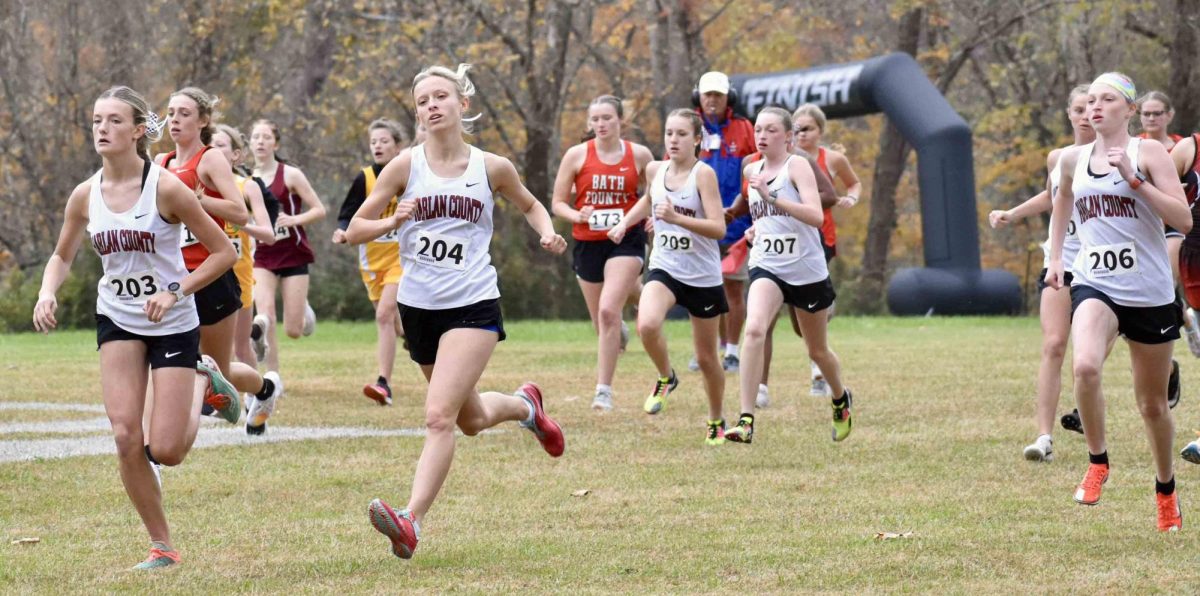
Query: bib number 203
point(441, 250)
point(136, 287)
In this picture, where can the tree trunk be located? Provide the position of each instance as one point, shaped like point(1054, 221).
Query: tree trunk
point(1182, 87)
point(889, 167)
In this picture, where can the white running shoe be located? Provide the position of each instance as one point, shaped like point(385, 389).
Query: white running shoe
point(820, 388)
point(261, 409)
point(762, 400)
point(693, 364)
point(603, 402)
point(310, 320)
point(624, 336)
point(1040, 450)
point(1191, 452)
point(157, 469)
point(1191, 331)
point(258, 336)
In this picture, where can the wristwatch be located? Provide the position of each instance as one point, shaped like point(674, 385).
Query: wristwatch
point(176, 290)
point(1138, 179)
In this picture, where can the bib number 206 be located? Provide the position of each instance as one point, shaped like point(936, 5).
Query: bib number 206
point(1112, 259)
point(441, 250)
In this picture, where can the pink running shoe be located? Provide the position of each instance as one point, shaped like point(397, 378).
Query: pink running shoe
point(547, 431)
point(398, 527)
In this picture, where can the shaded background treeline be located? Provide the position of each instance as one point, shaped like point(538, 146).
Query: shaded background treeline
point(324, 69)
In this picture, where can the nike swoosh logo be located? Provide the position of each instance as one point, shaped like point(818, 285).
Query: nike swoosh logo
point(172, 354)
point(624, 169)
point(1165, 330)
point(1116, 182)
point(219, 307)
point(470, 184)
point(140, 216)
point(708, 308)
point(814, 304)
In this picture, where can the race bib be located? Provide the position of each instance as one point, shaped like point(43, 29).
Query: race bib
point(673, 241)
point(187, 238)
point(1109, 260)
point(283, 233)
point(602, 220)
point(237, 245)
point(442, 250)
point(134, 288)
point(391, 236)
point(783, 245)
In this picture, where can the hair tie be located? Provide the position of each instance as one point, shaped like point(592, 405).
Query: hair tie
point(154, 127)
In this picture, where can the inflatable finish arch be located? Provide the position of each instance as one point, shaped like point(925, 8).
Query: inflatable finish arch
point(952, 281)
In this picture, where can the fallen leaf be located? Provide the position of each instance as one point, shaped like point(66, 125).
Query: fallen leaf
point(571, 398)
point(583, 492)
point(892, 535)
point(27, 541)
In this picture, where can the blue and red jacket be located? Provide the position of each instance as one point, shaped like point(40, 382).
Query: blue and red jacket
point(737, 141)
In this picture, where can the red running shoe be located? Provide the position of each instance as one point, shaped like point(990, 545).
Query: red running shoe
point(379, 393)
point(547, 431)
point(398, 527)
point(1170, 518)
point(1088, 491)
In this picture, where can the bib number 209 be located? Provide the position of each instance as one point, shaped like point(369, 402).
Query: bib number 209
point(674, 241)
point(441, 250)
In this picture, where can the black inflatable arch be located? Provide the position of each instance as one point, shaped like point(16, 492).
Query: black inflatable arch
point(952, 281)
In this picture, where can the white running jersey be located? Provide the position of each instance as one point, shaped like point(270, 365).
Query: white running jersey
point(141, 256)
point(1122, 249)
point(444, 247)
point(688, 257)
point(784, 245)
point(1071, 241)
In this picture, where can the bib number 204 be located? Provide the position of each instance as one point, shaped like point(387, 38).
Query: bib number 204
point(441, 250)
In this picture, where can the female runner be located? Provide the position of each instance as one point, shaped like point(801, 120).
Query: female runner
point(449, 298)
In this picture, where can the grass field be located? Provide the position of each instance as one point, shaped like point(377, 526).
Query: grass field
point(943, 409)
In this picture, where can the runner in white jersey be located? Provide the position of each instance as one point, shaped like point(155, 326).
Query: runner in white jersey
point(1122, 190)
point(145, 314)
point(787, 265)
point(449, 301)
point(1054, 310)
point(685, 265)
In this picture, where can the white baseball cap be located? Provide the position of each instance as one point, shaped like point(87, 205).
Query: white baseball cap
point(714, 82)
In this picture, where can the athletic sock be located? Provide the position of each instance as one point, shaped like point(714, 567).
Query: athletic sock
point(747, 416)
point(1164, 488)
point(843, 400)
point(527, 422)
point(731, 350)
point(602, 388)
point(155, 461)
point(816, 370)
point(382, 382)
point(1098, 458)
point(268, 387)
point(762, 388)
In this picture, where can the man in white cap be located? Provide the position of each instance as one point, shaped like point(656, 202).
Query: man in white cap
point(727, 139)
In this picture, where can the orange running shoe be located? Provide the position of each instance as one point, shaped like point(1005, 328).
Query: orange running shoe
point(1170, 518)
point(1088, 492)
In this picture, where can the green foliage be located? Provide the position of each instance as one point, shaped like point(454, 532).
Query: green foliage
point(76, 298)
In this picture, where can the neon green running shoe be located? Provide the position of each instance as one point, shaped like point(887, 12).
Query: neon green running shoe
point(161, 555)
point(716, 432)
point(220, 395)
point(662, 388)
point(842, 422)
point(743, 432)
